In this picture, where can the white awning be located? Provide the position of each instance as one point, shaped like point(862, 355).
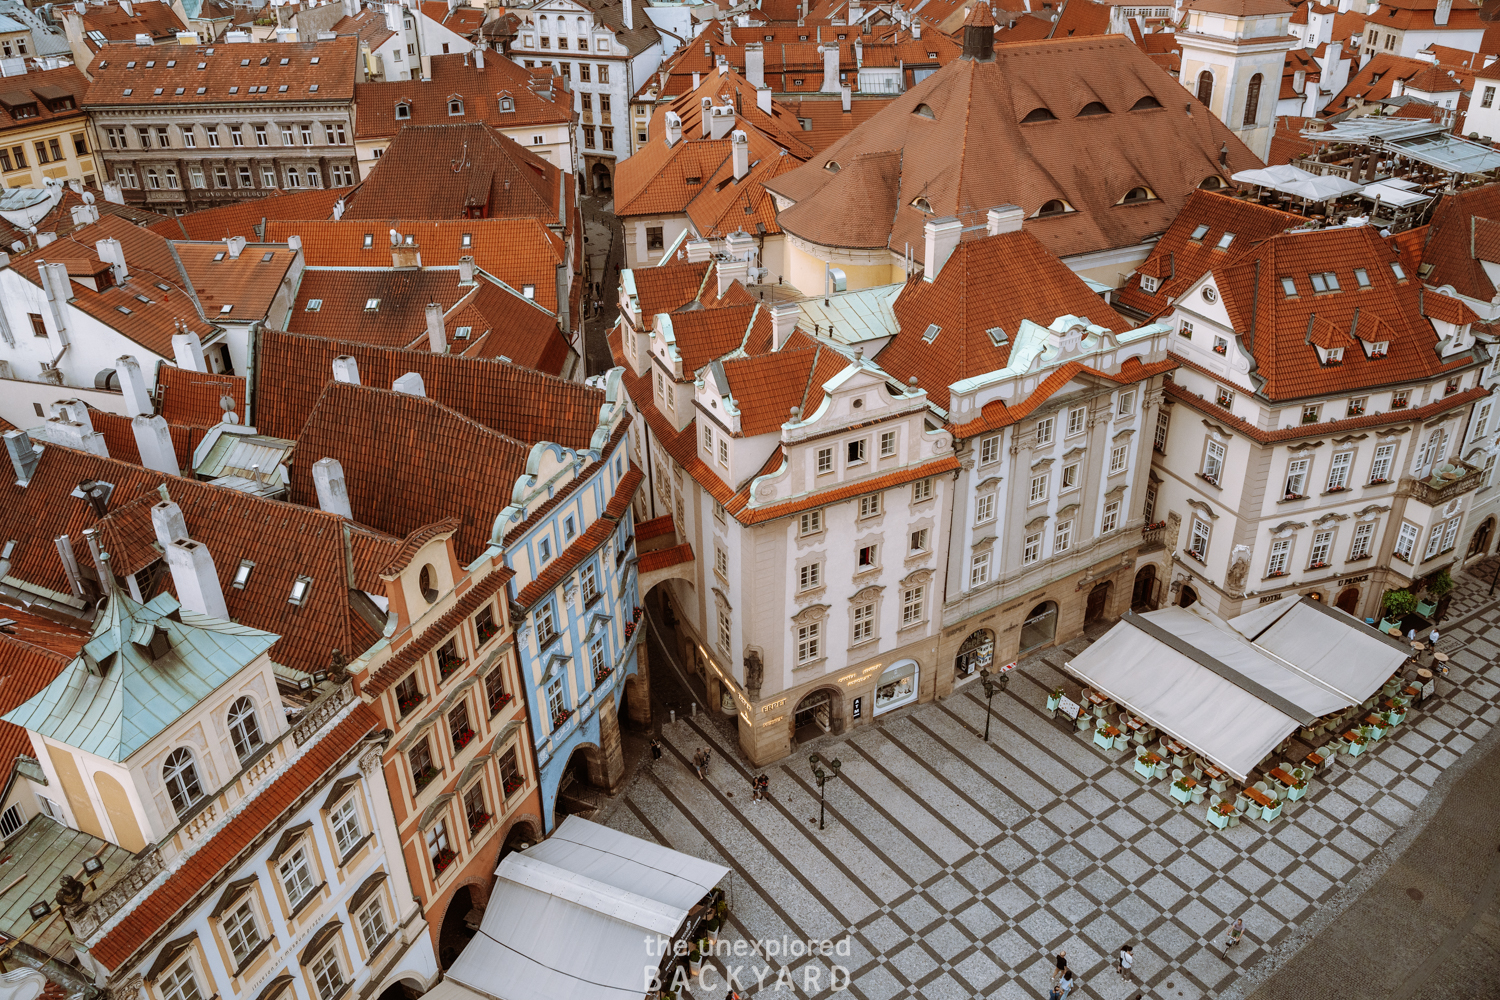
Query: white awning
point(572, 917)
point(1296, 181)
point(1233, 700)
point(1389, 194)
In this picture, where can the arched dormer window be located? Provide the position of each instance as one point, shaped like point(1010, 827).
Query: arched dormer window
point(403, 111)
point(1136, 195)
point(455, 105)
point(1145, 104)
point(921, 204)
point(832, 166)
point(1054, 207)
point(244, 729)
point(181, 777)
point(507, 103)
point(1093, 108)
point(1213, 182)
point(1039, 115)
point(925, 110)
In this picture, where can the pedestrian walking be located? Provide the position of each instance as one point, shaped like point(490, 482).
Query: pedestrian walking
point(762, 787)
point(1064, 986)
point(1235, 931)
point(656, 749)
point(1434, 638)
point(1127, 959)
point(1411, 634)
point(1061, 963)
point(700, 760)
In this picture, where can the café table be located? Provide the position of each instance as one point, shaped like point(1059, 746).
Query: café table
point(1218, 780)
point(1314, 760)
point(1220, 812)
point(1355, 743)
point(1377, 724)
point(1147, 764)
point(1287, 781)
point(1270, 809)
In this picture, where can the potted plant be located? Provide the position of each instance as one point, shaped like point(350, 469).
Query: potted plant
point(511, 784)
point(563, 716)
point(424, 777)
point(1054, 699)
point(1399, 603)
point(443, 860)
point(407, 704)
point(695, 960)
point(721, 910)
point(1320, 564)
point(712, 927)
point(462, 739)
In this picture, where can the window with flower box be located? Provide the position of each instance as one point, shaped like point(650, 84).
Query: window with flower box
point(448, 659)
point(1360, 547)
point(598, 661)
point(407, 695)
point(1322, 543)
point(1380, 468)
point(438, 850)
point(1296, 478)
point(494, 690)
point(557, 706)
point(423, 770)
point(475, 810)
point(485, 624)
point(1198, 540)
point(511, 778)
point(459, 727)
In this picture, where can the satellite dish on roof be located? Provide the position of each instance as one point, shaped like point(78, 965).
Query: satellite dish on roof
point(88, 197)
point(226, 403)
point(18, 247)
point(395, 238)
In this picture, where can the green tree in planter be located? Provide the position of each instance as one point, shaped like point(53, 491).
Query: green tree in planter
point(1440, 585)
point(1399, 603)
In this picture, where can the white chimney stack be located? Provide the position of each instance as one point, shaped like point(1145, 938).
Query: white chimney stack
point(195, 578)
point(236, 245)
point(112, 252)
point(730, 271)
point(1299, 81)
point(153, 439)
point(830, 68)
point(705, 115)
point(169, 524)
point(70, 425)
point(479, 57)
point(1004, 219)
point(755, 64)
point(763, 99)
point(411, 384)
point(846, 98)
point(674, 128)
point(629, 15)
point(728, 28)
point(333, 492)
point(784, 316)
point(722, 121)
point(23, 457)
point(133, 385)
point(1444, 8)
point(437, 337)
point(739, 145)
point(346, 369)
point(187, 351)
point(85, 215)
point(941, 239)
point(466, 270)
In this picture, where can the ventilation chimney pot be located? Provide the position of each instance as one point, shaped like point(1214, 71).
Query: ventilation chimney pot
point(784, 316)
point(755, 64)
point(730, 271)
point(674, 128)
point(941, 239)
point(763, 99)
point(133, 385)
point(346, 369)
point(846, 98)
point(153, 439)
point(23, 455)
point(406, 255)
point(195, 579)
point(437, 337)
point(168, 523)
point(112, 252)
point(85, 215)
point(466, 270)
point(187, 350)
point(411, 384)
point(236, 245)
point(830, 68)
point(705, 113)
point(1004, 219)
point(333, 491)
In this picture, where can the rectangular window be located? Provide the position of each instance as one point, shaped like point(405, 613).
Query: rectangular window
point(808, 642)
point(1482, 420)
point(1069, 479)
point(1076, 418)
point(654, 240)
point(372, 926)
point(1380, 468)
point(1450, 534)
point(1310, 413)
point(296, 878)
point(1434, 541)
point(984, 508)
point(866, 557)
point(912, 602)
point(1117, 459)
point(856, 452)
point(1149, 510)
point(546, 622)
point(1198, 540)
point(1401, 400)
point(1127, 403)
point(887, 444)
point(407, 694)
point(1213, 462)
point(306, 133)
point(719, 514)
point(864, 622)
point(1281, 550)
point(180, 984)
point(1039, 488)
point(267, 177)
point(724, 452)
point(726, 642)
point(979, 570)
point(328, 975)
point(1488, 99)
point(556, 702)
point(261, 139)
point(1451, 386)
point(1044, 431)
point(919, 540)
point(1185, 330)
point(989, 449)
point(812, 522)
point(1360, 547)
point(1321, 545)
point(708, 440)
point(921, 490)
point(1406, 540)
point(1223, 397)
point(1356, 406)
point(419, 757)
point(1338, 470)
point(1296, 478)
point(869, 505)
point(241, 932)
point(494, 690)
point(1111, 519)
point(825, 461)
point(1062, 538)
point(346, 829)
point(809, 576)
point(213, 137)
point(721, 561)
point(286, 135)
point(1163, 421)
point(1031, 548)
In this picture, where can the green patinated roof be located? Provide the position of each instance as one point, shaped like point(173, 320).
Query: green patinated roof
point(137, 698)
point(33, 859)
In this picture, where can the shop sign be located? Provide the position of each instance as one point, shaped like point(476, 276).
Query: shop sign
point(1068, 707)
point(859, 704)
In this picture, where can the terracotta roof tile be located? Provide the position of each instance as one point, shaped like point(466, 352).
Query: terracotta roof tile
point(33, 651)
point(668, 288)
point(148, 17)
point(665, 558)
point(195, 399)
point(996, 414)
point(585, 544)
point(480, 90)
point(56, 97)
point(279, 73)
point(654, 528)
point(247, 284)
point(60, 219)
point(740, 507)
point(1447, 309)
point(1460, 238)
point(248, 218)
point(119, 438)
point(433, 635)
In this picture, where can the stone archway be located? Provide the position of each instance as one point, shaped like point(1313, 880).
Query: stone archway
point(1144, 593)
point(1348, 600)
point(1479, 543)
point(455, 933)
point(1098, 602)
point(584, 779)
point(522, 834)
point(1039, 627)
point(976, 654)
point(602, 181)
point(817, 713)
point(1187, 598)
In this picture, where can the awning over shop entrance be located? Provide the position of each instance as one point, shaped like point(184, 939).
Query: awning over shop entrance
point(1232, 691)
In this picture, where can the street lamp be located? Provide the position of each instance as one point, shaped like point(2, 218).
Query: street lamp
point(992, 686)
point(821, 777)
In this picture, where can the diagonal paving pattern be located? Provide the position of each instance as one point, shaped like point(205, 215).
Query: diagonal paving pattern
point(957, 868)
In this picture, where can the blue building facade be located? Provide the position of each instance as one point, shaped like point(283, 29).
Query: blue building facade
point(569, 536)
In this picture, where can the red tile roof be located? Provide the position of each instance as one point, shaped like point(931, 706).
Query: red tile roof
point(119, 438)
point(55, 96)
point(249, 74)
point(479, 89)
point(655, 528)
point(33, 652)
point(199, 873)
point(247, 284)
point(766, 387)
point(248, 218)
point(668, 288)
point(147, 17)
point(585, 544)
point(1375, 81)
point(196, 399)
point(665, 558)
point(1459, 238)
point(1419, 15)
point(996, 414)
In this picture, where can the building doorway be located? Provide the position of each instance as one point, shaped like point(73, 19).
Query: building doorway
point(1098, 602)
point(976, 654)
point(1480, 543)
point(601, 179)
point(1040, 626)
point(455, 932)
point(1187, 598)
point(1143, 594)
point(583, 780)
point(814, 716)
point(1348, 600)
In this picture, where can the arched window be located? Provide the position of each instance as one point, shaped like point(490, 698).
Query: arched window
point(1093, 108)
point(1137, 194)
point(1145, 104)
point(925, 110)
point(181, 776)
point(1252, 102)
point(921, 204)
point(244, 730)
point(1054, 207)
point(1039, 115)
point(1040, 626)
point(581, 29)
point(1212, 182)
point(1205, 87)
point(832, 166)
point(403, 111)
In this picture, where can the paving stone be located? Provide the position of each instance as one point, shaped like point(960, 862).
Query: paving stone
point(916, 913)
point(979, 919)
point(979, 971)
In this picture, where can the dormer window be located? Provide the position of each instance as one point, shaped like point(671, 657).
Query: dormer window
point(242, 574)
point(1093, 108)
point(1136, 195)
point(403, 111)
point(832, 166)
point(1199, 232)
point(1054, 207)
point(921, 204)
point(1145, 104)
point(1377, 349)
point(369, 240)
point(507, 104)
point(925, 110)
point(455, 106)
point(1038, 115)
point(1330, 355)
point(1149, 284)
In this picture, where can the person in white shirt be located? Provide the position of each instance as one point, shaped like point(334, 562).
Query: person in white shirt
point(1127, 959)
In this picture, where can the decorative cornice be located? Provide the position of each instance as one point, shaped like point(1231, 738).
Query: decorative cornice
point(988, 541)
point(815, 612)
point(988, 483)
point(1115, 489)
point(868, 593)
point(1287, 527)
point(1202, 507)
point(1036, 522)
point(915, 577)
point(1318, 522)
point(1347, 438)
point(1305, 446)
point(1217, 429)
point(1067, 511)
point(1123, 434)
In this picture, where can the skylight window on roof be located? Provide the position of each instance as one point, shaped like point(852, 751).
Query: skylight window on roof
point(1289, 286)
point(9, 550)
point(234, 90)
point(226, 308)
point(150, 63)
point(219, 256)
point(265, 258)
point(203, 65)
point(1324, 281)
point(997, 335)
point(265, 60)
point(202, 90)
point(312, 88)
point(371, 305)
point(468, 240)
point(164, 286)
point(142, 298)
point(462, 333)
point(130, 65)
point(242, 574)
point(157, 91)
point(931, 332)
point(313, 305)
point(124, 309)
point(1362, 277)
point(244, 62)
point(1199, 233)
point(529, 291)
point(1038, 115)
point(180, 91)
point(369, 240)
point(315, 60)
point(281, 89)
point(285, 60)
point(1225, 240)
point(300, 589)
point(1398, 271)
point(128, 91)
point(171, 63)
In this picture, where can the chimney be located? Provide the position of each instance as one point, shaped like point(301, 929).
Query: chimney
point(697, 79)
point(674, 128)
point(23, 457)
point(721, 121)
point(346, 369)
point(437, 337)
point(846, 98)
point(70, 425)
point(730, 271)
point(154, 441)
point(59, 289)
point(1299, 81)
point(1004, 219)
point(294, 242)
point(941, 237)
point(784, 316)
point(1444, 8)
point(411, 384)
point(763, 99)
point(45, 239)
point(84, 215)
point(705, 114)
point(466, 270)
point(739, 145)
point(133, 385)
point(479, 57)
point(187, 350)
point(406, 255)
point(69, 564)
point(629, 6)
point(112, 252)
point(168, 523)
point(755, 64)
point(1398, 88)
point(916, 28)
point(113, 194)
point(236, 245)
point(979, 33)
point(195, 579)
point(333, 492)
point(721, 63)
point(728, 26)
point(830, 68)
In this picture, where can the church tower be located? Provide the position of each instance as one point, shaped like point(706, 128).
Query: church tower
point(1232, 57)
